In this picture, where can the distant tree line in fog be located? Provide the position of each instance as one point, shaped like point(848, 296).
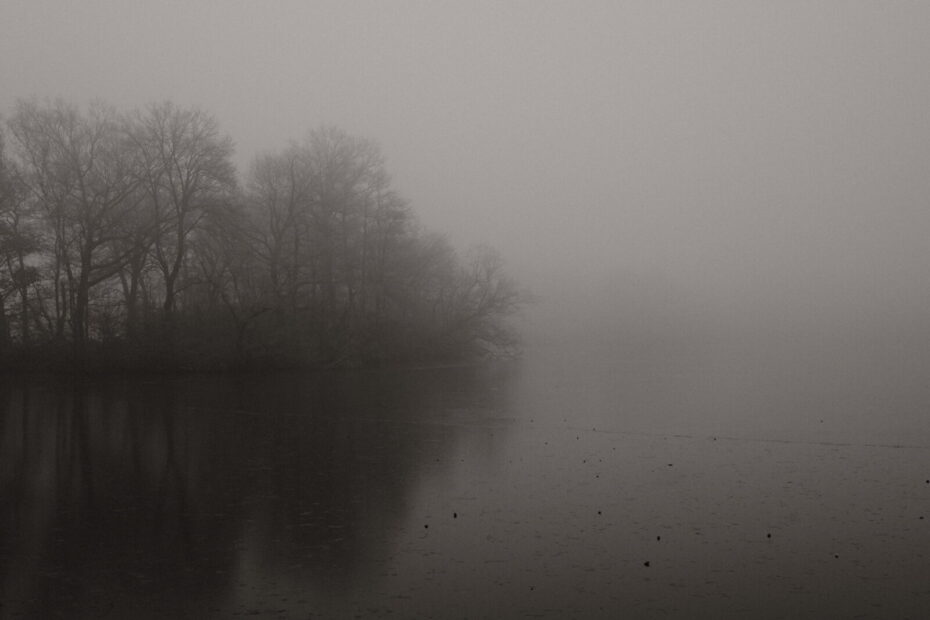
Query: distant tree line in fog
point(129, 239)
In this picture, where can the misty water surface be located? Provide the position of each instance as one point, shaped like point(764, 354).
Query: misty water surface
point(753, 476)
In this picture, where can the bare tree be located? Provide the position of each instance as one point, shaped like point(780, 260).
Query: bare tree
point(188, 170)
point(345, 171)
point(279, 196)
point(82, 173)
point(19, 239)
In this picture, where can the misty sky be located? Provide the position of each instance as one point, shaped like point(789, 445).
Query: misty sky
point(719, 154)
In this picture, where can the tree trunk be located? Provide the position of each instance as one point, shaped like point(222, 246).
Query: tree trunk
point(5, 340)
point(24, 315)
point(21, 280)
point(79, 316)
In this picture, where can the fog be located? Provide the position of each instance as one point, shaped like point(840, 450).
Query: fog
point(691, 164)
point(720, 208)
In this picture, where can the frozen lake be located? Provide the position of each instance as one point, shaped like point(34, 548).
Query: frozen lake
point(745, 478)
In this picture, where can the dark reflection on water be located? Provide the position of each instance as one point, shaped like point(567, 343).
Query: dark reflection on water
point(739, 478)
point(173, 497)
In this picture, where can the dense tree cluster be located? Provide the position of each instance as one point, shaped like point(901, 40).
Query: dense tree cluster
point(128, 237)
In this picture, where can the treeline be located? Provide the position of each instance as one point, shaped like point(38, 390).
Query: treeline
point(129, 239)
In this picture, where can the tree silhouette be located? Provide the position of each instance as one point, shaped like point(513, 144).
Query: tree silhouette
point(129, 238)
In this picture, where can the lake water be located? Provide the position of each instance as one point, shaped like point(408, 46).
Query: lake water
point(732, 479)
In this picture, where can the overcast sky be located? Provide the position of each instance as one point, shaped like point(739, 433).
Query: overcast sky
point(737, 153)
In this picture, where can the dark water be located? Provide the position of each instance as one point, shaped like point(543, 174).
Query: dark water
point(756, 481)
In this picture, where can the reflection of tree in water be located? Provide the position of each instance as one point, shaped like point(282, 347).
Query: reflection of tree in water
point(154, 495)
point(101, 518)
point(333, 462)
